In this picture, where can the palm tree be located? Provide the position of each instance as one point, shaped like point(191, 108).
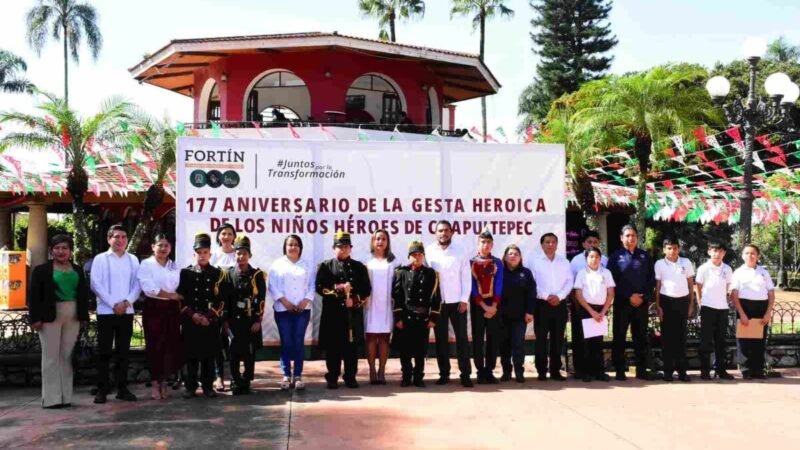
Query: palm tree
point(781, 50)
point(648, 107)
point(10, 79)
point(158, 139)
point(480, 11)
point(69, 22)
point(561, 128)
point(388, 11)
point(61, 127)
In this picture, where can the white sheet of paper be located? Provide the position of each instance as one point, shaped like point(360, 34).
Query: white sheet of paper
point(593, 329)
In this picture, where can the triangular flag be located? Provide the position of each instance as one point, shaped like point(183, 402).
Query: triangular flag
point(362, 136)
point(700, 134)
point(327, 133)
point(295, 134)
point(678, 140)
point(757, 162)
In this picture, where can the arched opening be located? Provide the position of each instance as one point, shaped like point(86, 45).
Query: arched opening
point(433, 112)
point(374, 98)
point(210, 107)
point(277, 96)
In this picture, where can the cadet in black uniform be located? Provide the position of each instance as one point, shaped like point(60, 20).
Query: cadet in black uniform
point(244, 288)
point(201, 310)
point(417, 305)
point(343, 284)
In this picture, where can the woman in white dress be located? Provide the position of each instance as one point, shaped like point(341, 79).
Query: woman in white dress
point(378, 319)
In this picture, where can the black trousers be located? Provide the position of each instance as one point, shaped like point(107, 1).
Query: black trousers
point(713, 335)
point(753, 349)
point(626, 316)
point(450, 315)
point(412, 342)
point(576, 335)
point(335, 354)
point(512, 344)
point(206, 366)
point(550, 323)
point(593, 362)
point(673, 333)
point(484, 331)
point(113, 338)
point(219, 359)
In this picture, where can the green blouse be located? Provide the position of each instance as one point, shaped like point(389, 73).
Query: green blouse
point(66, 285)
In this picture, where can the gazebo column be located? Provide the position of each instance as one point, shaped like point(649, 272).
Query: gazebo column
point(6, 231)
point(602, 229)
point(37, 234)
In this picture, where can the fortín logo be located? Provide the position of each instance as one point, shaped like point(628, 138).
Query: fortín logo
point(214, 178)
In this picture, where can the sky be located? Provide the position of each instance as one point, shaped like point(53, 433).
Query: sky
point(650, 32)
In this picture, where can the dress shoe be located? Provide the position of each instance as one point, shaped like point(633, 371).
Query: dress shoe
point(760, 376)
point(100, 397)
point(209, 392)
point(747, 376)
point(684, 377)
point(491, 379)
point(668, 378)
point(587, 378)
point(352, 384)
point(724, 375)
point(705, 376)
point(420, 383)
point(467, 382)
point(520, 378)
point(647, 376)
point(442, 381)
point(125, 394)
point(558, 377)
point(506, 376)
point(405, 382)
point(542, 377)
point(603, 377)
point(621, 376)
point(332, 384)
point(187, 394)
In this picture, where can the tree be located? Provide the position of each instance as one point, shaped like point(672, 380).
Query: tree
point(780, 50)
point(649, 108)
point(570, 38)
point(11, 80)
point(388, 11)
point(158, 139)
point(58, 126)
point(534, 104)
point(69, 22)
point(481, 10)
point(562, 128)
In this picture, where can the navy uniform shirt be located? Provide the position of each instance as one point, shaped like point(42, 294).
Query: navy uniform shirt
point(633, 273)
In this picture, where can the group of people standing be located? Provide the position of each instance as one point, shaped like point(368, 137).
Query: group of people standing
point(192, 315)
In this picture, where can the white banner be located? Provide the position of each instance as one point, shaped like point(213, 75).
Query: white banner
point(269, 188)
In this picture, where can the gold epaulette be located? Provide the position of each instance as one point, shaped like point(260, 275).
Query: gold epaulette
point(223, 275)
point(253, 282)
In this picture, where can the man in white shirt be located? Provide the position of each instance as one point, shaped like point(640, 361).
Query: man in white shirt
point(455, 285)
point(674, 303)
point(553, 285)
point(115, 283)
point(712, 283)
point(589, 240)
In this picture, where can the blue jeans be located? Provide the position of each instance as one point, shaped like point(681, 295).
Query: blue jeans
point(292, 329)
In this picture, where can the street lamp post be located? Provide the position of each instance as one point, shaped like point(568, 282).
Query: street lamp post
point(752, 115)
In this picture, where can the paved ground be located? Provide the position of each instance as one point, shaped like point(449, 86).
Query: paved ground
point(635, 414)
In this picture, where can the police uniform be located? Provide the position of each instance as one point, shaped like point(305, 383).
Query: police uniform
point(341, 329)
point(244, 292)
point(415, 293)
point(199, 288)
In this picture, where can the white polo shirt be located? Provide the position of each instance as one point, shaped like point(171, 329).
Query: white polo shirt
point(752, 284)
point(594, 284)
point(578, 262)
point(715, 281)
point(674, 276)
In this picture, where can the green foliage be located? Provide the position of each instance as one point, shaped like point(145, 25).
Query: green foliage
point(11, 68)
point(571, 40)
point(58, 126)
point(55, 226)
point(694, 239)
point(68, 22)
point(781, 50)
point(534, 104)
point(389, 11)
point(738, 73)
